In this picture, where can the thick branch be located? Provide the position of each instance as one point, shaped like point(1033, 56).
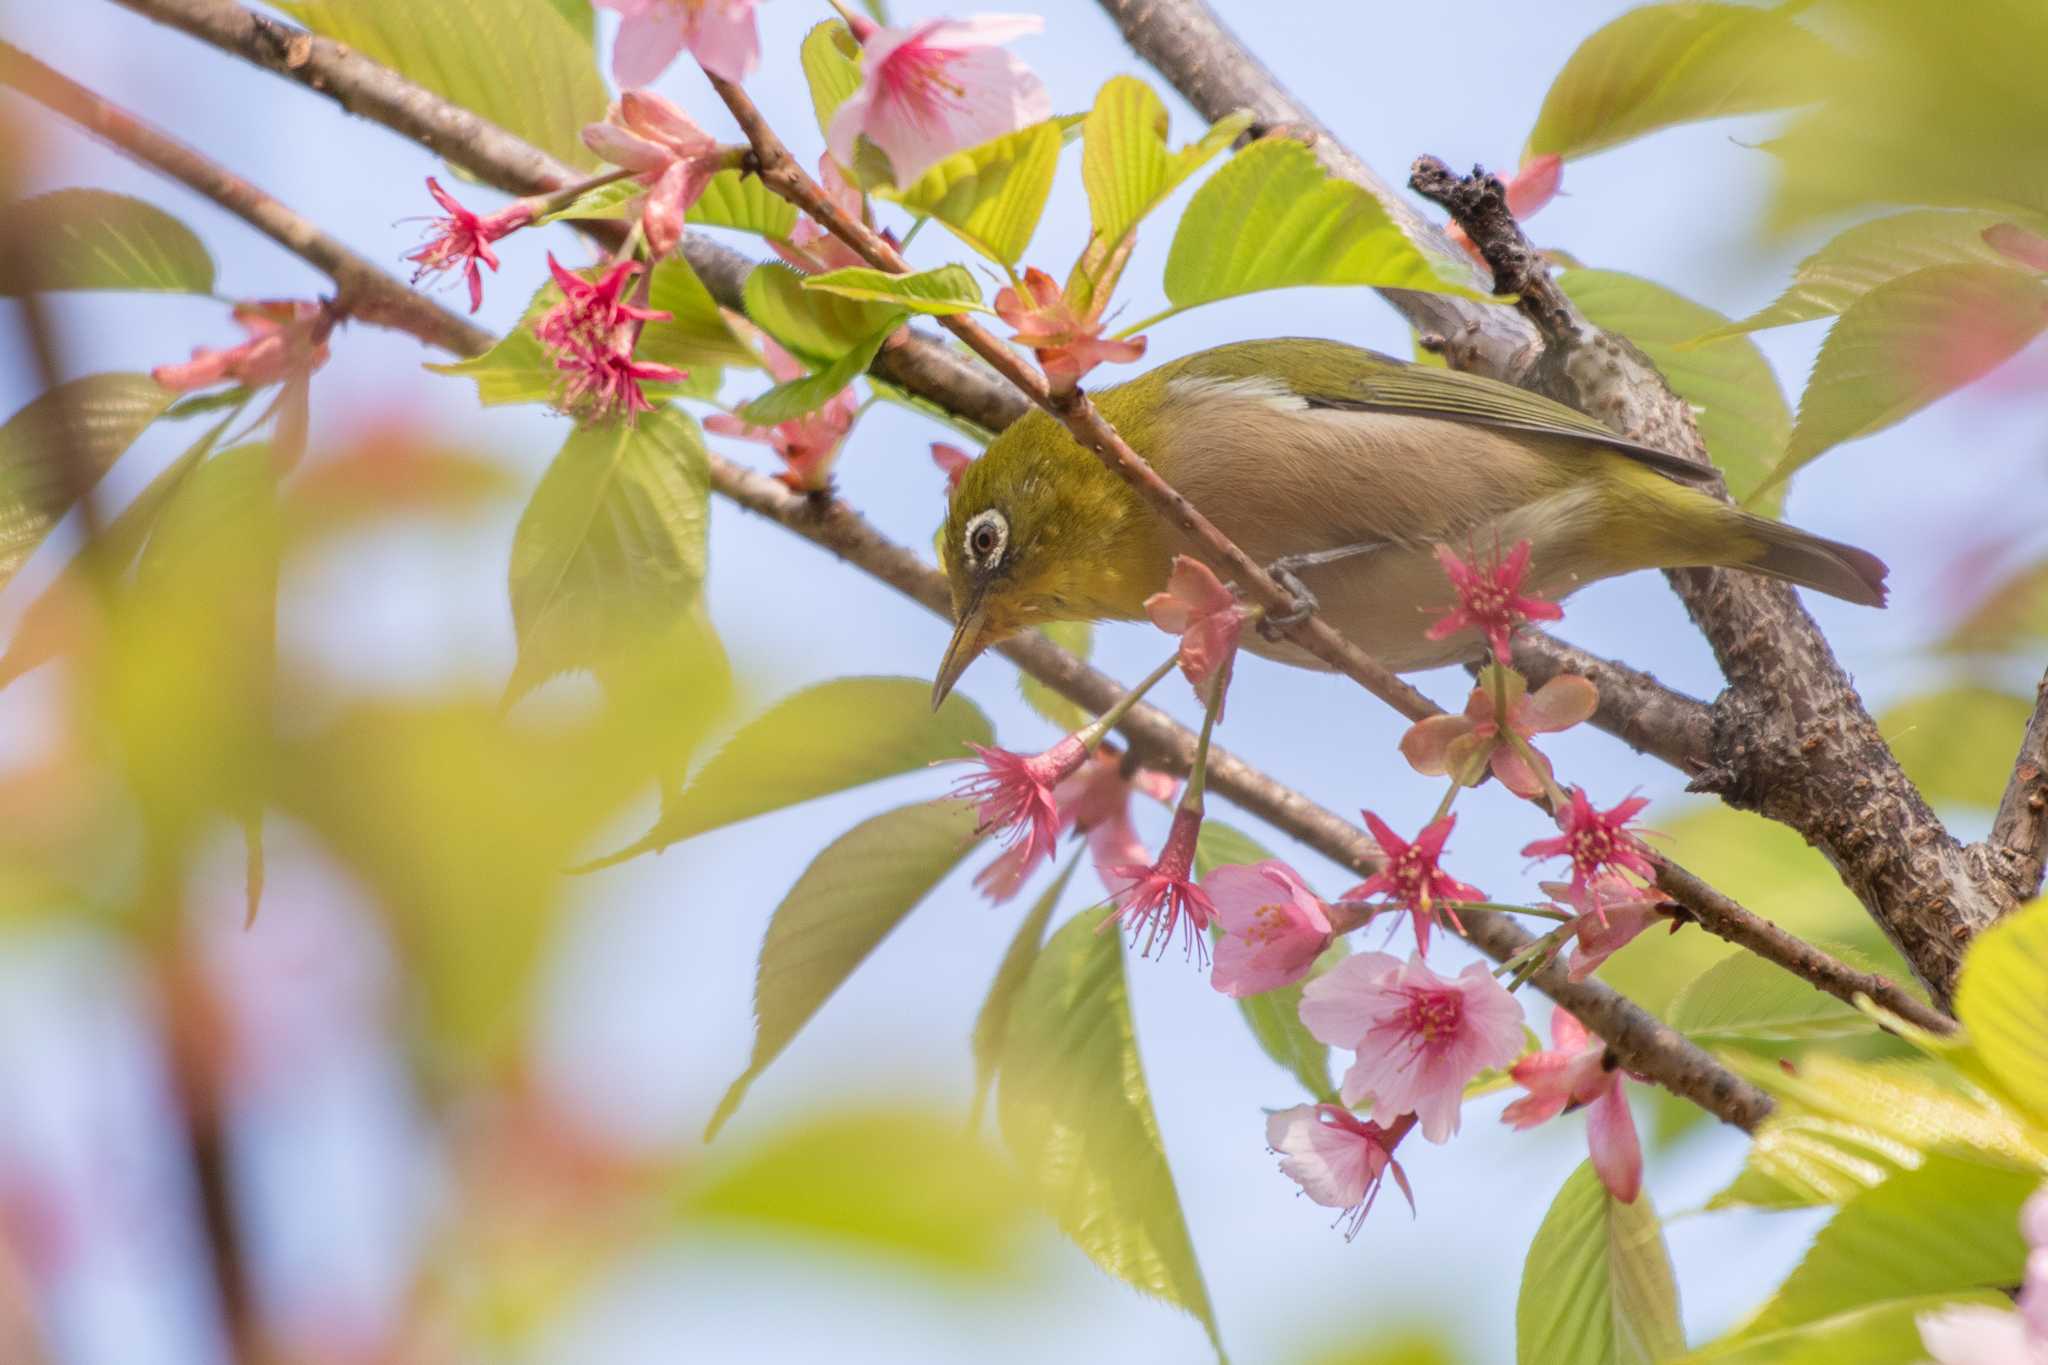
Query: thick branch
point(2018, 847)
point(1634, 707)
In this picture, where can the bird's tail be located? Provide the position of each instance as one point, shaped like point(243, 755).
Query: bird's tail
point(1812, 561)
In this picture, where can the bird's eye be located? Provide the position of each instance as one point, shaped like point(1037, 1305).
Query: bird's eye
point(988, 534)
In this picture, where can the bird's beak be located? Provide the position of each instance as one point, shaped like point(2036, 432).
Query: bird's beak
point(965, 647)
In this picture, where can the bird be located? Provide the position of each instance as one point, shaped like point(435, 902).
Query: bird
point(1345, 469)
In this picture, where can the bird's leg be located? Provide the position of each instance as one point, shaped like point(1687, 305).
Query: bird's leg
point(1287, 571)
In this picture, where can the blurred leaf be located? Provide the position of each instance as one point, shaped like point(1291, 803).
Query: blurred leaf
point(1076, 637)
point(831, 62)
point(1746, 999)
point(1951, 1225)
point(580, 17)
point(610, 551)
point(1125, 163)
point(1271, 218)
point(519, 63)
point(993, 1022)
point(816, 327)
point(948, 289)
point(1880, 1334)
point(92, 239)
point(1075, 1109)
point(827, 738)
point(845, 904)
point(1957, 745)
point(1732, 389)
point(898, 1182)
point(799, 397)
point(1858, 259)
point(1676, 63)
point(616, 201)
point(2010, 616)
point(734, 199)
point(93, 420)
point(990, 196)
point(1908, 342)
point(391, 473)
point(2003, 1002)
point(1597, 1286)
point(1398, 1348)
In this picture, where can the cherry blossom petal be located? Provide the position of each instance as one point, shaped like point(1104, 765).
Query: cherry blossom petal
point(1617, 1152)
point(647, 43)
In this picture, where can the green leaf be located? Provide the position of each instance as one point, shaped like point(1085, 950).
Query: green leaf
point(1076, 637)
point(2003, 1002)
point(1744, 999)
point(797, 397)
point(521, 64)
point(1865, 256)
point(1272, 219)
point(1075, 1109)
point(580, 16)
point(610, 551)
point(936, 293)
point(990, 196)
point(1733, 390)
point(2013, 615)
point(831, 61)
point(1125, 163)
point(1951, 1225)
point(1906, 343)
point(839, 734)
point(618, 200)
point(816, 327)
point(899, 1182)
point(1597, 1286)
point(846, 902)
point(1957, 745)
point(92, 420)
point(1677, 63)
point(734, 199)
point(1880, 1334)
point(698, 335)
point(92, 239)
point(992, 1024)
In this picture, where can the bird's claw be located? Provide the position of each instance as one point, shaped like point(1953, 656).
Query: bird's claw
point(1305, 603)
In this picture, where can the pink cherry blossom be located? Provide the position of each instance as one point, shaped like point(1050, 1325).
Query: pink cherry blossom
point(1013, 794)
point(1612, 911)
point(1420, 1037)
point(1411, 878)
point(287, 340)
point(2033, 1298)
point(1977, 1334)
point(1596, 841)
point(809, 445)
point(952, 462)
point(462, 240)
point(719, 33)
point(1163, 896)
point(1067, 345)
point(674, 157)
point(1207, 617)
point(2030, 249)
point(1274, 927)
point(1490, 598)
point(591, 335)
point(1464, 746)
point(1337, 1158)
point(938, 88)
point(1576, 1072)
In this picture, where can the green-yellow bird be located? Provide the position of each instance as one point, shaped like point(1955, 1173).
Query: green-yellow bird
point(1294, 447)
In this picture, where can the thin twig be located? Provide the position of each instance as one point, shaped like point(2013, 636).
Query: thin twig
point(2019, 832)
point(1634, 707)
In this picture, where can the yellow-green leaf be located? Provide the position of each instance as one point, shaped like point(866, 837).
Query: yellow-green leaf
point(1885, 1333)
point(2013, 615)
point(1733, 390)
point(1272, 218)
point(619, 199)
point(796, 397)
point(2003, 1002)
point(845, 903)
point(1744, 999)
point(92, 239)
point(734, 199)
point(1074, 1108)
point(697, 335)
point(1676, 63)
point(816, 327)
point(1597, 1286)
point(992, 1024)
point(1957, 745)
point(948, 289)
point(831, 62)
point(92, 420)
point(1125, 164)
point(990, 196)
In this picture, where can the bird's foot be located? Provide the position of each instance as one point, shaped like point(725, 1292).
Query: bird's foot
point(1282, 571)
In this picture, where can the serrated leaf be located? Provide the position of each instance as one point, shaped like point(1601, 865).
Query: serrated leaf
point(1879, 1334)
point(1858, 259)
point(816, 327)
point(796, 397)
point(827, 738)
point(620, 199)
point(1734, 392)
point(610, 550)
point(1075, 1110)
point(1271, 218)
point(992, 1024)
point(519, 63)
point(91, 419)
point(1957, 745)
point(990, 196)
point(697, 335)
point(845, 903)
point(2013, 615)
point(1077, 638)
point(1908, 342)
point(936, 293)
point(831, 62)
point(2002, 1001)
point(1677, 63)
point(1125, 164)
point(1744, 999)
point(734, 199)
point(92, 239)
point(1597, 1286)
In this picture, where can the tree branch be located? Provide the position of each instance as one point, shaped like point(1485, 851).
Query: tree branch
point(1634, 707)
point(2018, 847)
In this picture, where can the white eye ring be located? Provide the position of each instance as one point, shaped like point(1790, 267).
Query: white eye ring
point(984, 550)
